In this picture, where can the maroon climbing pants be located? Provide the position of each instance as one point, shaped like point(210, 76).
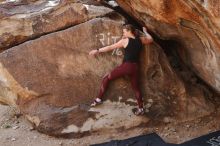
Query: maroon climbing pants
point(126, 68)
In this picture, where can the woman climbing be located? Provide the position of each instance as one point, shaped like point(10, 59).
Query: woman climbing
point(132, 43)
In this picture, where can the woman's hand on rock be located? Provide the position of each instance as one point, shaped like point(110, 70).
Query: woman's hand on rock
point(93, 52)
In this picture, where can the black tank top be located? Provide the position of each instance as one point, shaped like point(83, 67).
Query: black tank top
point(132, 50)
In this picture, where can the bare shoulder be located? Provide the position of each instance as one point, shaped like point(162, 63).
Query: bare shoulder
point(120, 44)
point(121, 41)
point(124, 42)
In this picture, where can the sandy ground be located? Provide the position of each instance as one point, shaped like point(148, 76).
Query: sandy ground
point(16, 131)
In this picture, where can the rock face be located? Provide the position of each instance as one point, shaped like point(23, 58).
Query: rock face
point(52, 79)
point(21, 21)
point(193, 24)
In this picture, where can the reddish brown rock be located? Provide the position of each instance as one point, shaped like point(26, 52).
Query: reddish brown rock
point(52, 80)
point(25, 20)
point(193, 24)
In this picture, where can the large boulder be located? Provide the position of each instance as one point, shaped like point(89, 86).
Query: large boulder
point(194, 24)
point(52, 81)
point(25, 20)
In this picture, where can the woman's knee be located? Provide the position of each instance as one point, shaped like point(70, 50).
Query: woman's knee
point(107, 77)
point(110, 76)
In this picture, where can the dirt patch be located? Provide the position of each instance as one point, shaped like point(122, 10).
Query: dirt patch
point(15, 130)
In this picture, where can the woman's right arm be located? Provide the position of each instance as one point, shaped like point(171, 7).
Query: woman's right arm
point(119, 44)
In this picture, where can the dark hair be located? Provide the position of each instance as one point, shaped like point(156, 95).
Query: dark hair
point(132, 29)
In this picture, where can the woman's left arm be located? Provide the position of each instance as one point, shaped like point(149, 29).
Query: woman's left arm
point(147, 38)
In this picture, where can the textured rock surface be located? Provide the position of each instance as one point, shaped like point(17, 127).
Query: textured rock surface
point(193, 24)
point(24, 20)
point(52, 79)
point(57, 78)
